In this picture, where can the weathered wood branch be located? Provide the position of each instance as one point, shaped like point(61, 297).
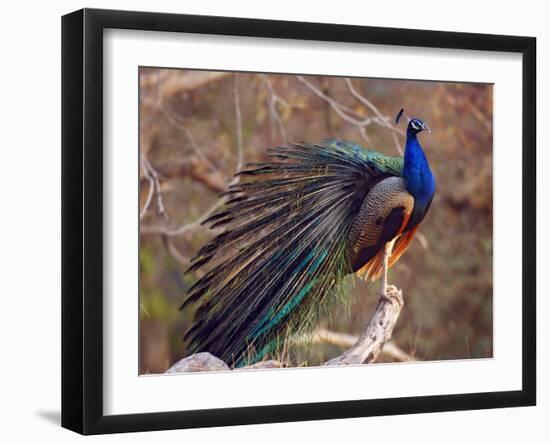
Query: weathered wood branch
point(363, 349)
point(377, 332)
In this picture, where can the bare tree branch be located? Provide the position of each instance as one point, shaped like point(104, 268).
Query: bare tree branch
point(183, 228)
point(350, 115)
point(342, 110)
point(383, 121)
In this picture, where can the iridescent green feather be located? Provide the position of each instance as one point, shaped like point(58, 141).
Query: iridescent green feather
point(384, 163)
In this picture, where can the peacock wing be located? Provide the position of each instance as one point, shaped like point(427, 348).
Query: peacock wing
point(384, 215)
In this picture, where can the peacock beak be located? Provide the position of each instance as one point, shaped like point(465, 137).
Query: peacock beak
point(426, 128)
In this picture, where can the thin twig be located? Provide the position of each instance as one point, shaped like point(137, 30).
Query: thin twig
point(153, 177)
point(239, 123)
point(346, 341)
point(416, 339)
point(180, 125)
point(150, 192)
point(422, 240)
point(174, 252)
point(342, 110)
point(397, 144)
point(274, 100)
point(184, 228)
point(351, 115)
point(383, 121)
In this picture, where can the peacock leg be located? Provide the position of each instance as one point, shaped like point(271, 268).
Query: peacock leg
point(382, 292)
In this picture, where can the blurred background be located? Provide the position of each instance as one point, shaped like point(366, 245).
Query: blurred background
point(198, 127)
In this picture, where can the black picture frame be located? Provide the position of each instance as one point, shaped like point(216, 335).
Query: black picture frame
point(82, 220)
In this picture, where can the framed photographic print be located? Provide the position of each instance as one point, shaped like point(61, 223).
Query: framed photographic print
point(271, 221)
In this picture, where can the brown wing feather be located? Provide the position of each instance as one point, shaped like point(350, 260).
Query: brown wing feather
point(384, 215)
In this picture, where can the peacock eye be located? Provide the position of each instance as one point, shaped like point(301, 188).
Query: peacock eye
point(415, 125)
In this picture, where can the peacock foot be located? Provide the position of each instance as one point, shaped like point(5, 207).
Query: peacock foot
point(392, 295)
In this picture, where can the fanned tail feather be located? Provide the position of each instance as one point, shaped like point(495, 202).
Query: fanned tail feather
point(284, 239)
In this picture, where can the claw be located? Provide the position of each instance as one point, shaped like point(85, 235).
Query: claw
point(392, 295)
point(385, 297)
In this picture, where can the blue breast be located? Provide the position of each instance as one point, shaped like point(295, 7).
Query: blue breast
point(418, 176)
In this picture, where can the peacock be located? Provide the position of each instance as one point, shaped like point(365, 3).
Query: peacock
point(292, 230)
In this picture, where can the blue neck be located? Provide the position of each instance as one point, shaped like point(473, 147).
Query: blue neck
point(419, 179)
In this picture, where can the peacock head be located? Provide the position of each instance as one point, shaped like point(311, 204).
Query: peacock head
point(416, 125)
